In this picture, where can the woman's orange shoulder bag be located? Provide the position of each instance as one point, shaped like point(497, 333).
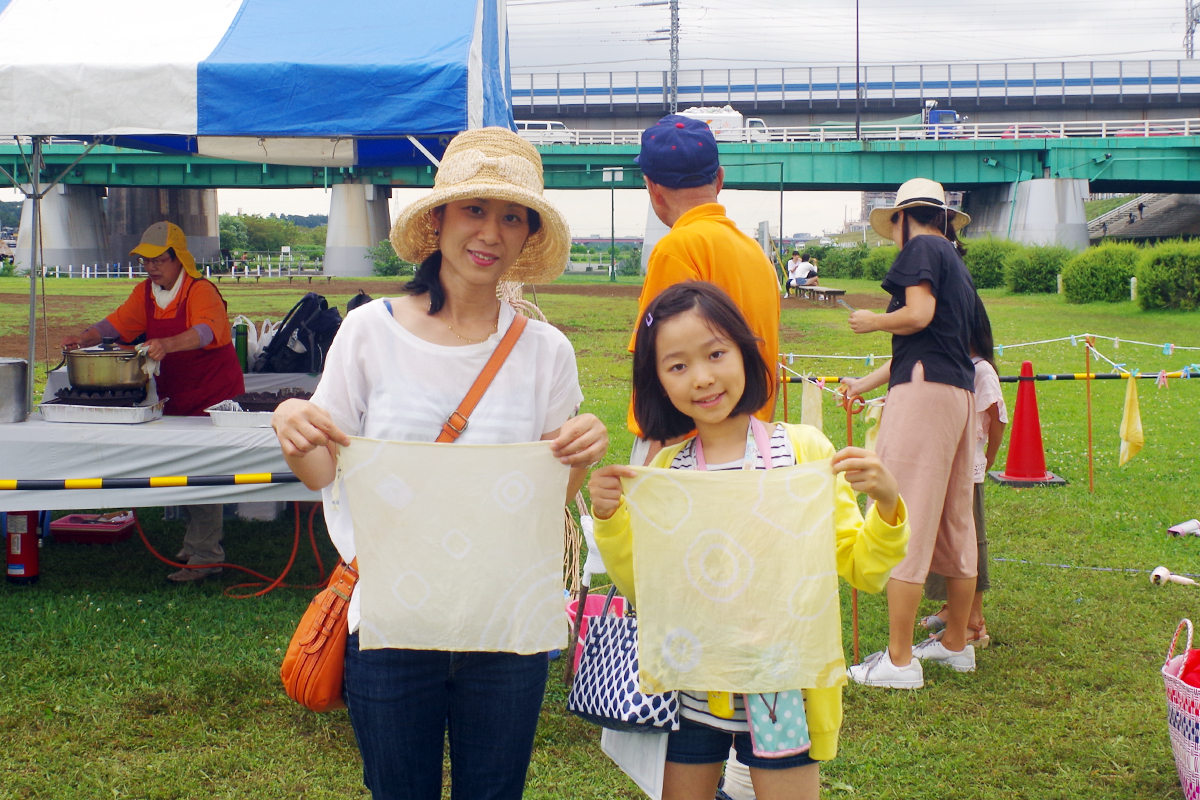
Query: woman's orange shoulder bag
point(316, 656)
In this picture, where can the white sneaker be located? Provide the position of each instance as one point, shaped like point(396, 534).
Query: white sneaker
point(877, 669)
point(958, 660)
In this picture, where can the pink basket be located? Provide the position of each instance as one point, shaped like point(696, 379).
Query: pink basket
point(591, 608)
point(1183, 716)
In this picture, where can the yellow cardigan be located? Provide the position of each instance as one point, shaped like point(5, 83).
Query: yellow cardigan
point(867, 550)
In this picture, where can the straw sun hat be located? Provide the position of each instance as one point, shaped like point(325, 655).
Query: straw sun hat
point(916, 192)
point(495, 164)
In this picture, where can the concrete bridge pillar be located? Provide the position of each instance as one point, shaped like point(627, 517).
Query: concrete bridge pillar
point(72, 229)
point(655, 230)
point(1042, 211)
point(359, 219)
point(131, 210)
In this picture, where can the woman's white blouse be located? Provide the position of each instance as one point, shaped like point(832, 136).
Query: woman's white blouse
point(383, 382)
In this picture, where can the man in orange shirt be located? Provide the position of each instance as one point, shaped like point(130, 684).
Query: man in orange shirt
point(683, 174)
point(187, 330)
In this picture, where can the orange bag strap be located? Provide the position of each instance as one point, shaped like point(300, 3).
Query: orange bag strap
point(343, 579)
point(451, 431)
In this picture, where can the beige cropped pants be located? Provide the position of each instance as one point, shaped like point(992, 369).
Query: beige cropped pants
point(927, 440)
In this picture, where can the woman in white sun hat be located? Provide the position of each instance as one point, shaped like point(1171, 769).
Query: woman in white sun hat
point(396, 371)
point(927, 434)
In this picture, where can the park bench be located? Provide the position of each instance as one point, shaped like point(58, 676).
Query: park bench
point(821, 294)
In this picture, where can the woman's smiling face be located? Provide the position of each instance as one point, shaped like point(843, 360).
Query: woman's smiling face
point(481, 238)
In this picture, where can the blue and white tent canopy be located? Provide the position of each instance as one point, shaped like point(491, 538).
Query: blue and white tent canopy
point(216, 71)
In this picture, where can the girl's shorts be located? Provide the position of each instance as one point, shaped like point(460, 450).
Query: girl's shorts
point(694, 743)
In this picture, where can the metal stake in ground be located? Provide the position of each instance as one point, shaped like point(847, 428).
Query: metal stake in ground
point(854, 405)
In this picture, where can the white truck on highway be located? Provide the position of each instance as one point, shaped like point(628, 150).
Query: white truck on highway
point(728, 125)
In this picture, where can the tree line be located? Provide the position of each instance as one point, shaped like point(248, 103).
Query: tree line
point(269, 234)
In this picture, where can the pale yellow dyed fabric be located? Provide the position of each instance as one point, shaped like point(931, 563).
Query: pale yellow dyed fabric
point(1132, 437)
point(460, 547)
point(736, 579)
point(810, 405)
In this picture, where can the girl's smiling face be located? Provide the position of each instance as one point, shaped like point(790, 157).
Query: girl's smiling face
point(481, 238)
point(700, 369)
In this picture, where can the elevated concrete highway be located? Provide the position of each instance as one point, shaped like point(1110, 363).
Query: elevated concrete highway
point(1025, 182)
point(806, 95)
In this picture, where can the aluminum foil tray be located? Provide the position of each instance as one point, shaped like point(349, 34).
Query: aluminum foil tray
point(129, 415)
point(228, 414)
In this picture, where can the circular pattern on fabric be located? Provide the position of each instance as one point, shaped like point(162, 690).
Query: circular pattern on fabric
point(681, 650)
point(664, 504)
point(718, 566)
point(411, 590)
point(812, 596)
point(513, 491)
point(456, 544)
point(394, 491)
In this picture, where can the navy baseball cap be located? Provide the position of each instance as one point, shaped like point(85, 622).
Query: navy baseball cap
point(679, 152)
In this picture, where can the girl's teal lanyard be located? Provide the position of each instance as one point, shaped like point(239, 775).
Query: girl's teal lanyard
point(757, 442)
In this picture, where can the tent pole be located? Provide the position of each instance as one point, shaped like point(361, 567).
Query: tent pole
point(35, 260)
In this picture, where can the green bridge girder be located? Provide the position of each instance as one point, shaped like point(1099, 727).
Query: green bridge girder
point(1133, 164)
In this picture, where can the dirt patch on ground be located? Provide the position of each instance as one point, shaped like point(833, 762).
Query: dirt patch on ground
point(874, 302)
point(585, 290)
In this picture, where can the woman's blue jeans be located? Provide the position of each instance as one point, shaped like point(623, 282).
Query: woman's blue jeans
point(401, 702)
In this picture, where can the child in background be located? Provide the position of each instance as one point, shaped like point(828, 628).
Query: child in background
point(696, 366)
point(992, 419)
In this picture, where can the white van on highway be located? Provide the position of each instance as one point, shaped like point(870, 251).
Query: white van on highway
point(543, 132)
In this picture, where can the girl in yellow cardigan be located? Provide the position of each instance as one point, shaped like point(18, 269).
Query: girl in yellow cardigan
point(696, 366)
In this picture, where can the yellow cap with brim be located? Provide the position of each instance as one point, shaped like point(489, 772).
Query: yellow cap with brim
point(163, 236)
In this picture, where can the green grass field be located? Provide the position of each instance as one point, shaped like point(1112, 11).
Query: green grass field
point(120, 685)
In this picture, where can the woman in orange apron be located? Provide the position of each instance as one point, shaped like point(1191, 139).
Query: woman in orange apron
point(186, 326)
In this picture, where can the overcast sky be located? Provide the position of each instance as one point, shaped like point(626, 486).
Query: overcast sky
point(604, 35)
point(580, 35)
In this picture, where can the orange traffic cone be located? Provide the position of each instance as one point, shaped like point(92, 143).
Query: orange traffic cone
point(1026, 465)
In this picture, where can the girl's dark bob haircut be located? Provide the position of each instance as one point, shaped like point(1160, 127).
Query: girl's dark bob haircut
point(653, 410)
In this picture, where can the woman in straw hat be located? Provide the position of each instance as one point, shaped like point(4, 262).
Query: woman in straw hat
point(396, 371)
point(927, 434)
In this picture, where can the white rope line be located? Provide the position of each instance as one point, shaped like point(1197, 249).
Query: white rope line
point(1091, 569)
point(1167, 348)
point(877, 401)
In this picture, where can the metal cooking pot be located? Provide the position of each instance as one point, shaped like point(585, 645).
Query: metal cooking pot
point(104, 369)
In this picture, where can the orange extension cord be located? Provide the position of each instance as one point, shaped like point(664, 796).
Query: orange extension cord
point(269, 584)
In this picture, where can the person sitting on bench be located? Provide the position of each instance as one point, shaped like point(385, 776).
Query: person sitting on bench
point(802, 272)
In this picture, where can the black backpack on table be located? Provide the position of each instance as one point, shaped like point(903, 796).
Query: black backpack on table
point(312, 324)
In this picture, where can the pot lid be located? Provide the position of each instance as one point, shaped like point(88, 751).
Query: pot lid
point(116, 353)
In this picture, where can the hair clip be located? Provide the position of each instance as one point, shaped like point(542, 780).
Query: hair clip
point(649, 320)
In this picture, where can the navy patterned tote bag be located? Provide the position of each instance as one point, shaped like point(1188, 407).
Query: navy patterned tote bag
point(605, 690)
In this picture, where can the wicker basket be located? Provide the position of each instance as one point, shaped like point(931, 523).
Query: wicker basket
point(1183, 716)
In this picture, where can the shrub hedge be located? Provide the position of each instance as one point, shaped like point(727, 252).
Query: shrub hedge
point(985, 260)
point(1168, 276)
point(1101, 274)
point(1034, 270)
point(842, 262)
point(879, 261)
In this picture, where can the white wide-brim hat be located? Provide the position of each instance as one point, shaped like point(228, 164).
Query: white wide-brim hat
point(916, 192)
point(490, 164)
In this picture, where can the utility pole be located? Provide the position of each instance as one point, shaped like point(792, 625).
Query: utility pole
point(1192, 19)
point(857, 85)
point(675, 56)
point(673, 94)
